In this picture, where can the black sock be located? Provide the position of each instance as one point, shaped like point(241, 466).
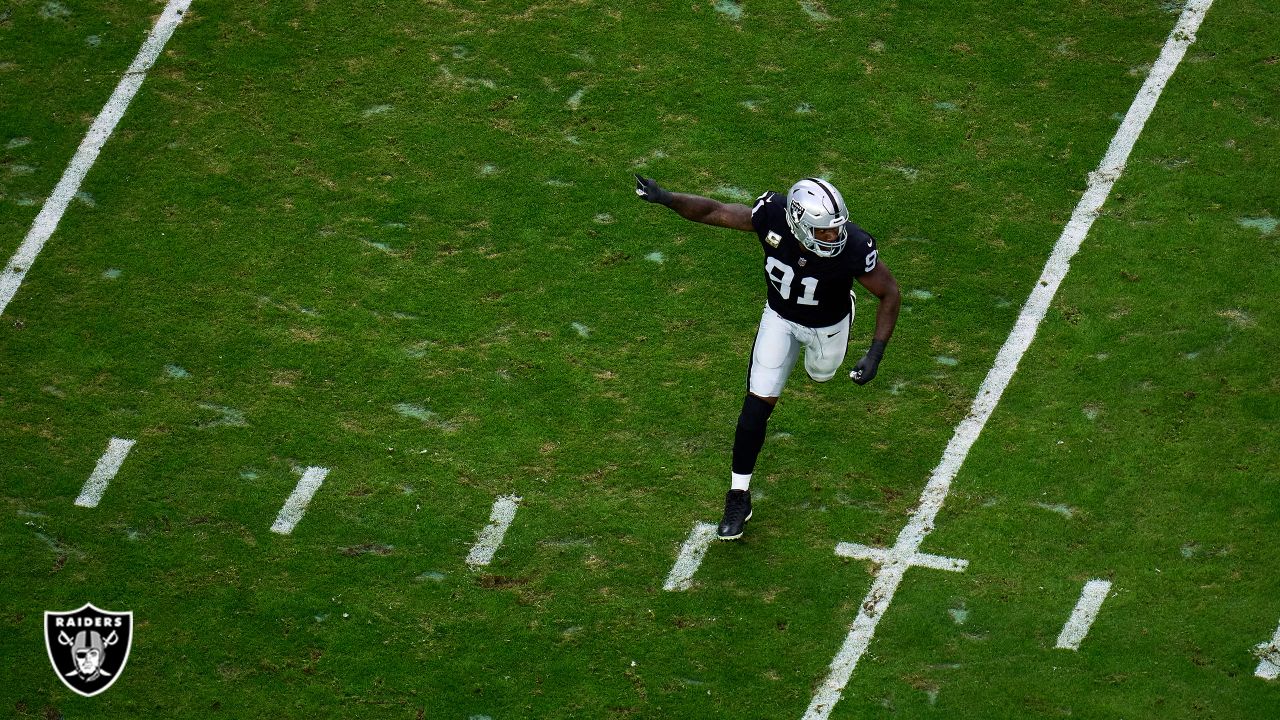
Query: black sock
point(749, 437)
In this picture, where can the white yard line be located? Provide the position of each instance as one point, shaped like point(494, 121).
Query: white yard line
point(1269, 662)
point(54, 207)
point(900, 557)
point(1082, 617)
point(690, 557)
point(108, 465)
point(298, 500)
point(504, 511)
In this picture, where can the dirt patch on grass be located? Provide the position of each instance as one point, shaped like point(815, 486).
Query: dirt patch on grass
point(368, 549)
point(500, 582)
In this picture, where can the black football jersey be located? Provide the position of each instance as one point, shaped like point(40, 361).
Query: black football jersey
point(803, 287)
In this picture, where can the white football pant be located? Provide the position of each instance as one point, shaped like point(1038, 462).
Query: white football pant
point(777, 347)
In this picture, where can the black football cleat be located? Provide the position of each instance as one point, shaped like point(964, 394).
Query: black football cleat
point(737, 511)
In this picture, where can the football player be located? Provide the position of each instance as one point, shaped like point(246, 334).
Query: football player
point(812, 255)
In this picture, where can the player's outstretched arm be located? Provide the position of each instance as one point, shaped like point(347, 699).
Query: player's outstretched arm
point(884, 286)
point(696, 207)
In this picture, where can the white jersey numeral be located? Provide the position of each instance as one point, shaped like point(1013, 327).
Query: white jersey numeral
point(810, 287)
point(781, 275)
point(871, 260)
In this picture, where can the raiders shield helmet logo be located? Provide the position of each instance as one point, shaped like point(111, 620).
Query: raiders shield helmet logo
point(88, 647)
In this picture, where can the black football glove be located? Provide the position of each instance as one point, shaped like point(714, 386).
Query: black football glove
point(865, 370)
point(651, 191)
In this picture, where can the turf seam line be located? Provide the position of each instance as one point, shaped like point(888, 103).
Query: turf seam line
point(690, 557)
point(1082, 617)
point(106, 469)
point(490, 538)
point(298, 500)
point(1100, 182)
point(1269, 658)
point(55, 205)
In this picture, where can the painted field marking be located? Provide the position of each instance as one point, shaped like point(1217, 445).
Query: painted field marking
point(1082, 617)
point(65, 191)
point(490, 538)
point(107, 467)
point(296, 505)
point(889, 575)
point(884, 556)
point(690, 557)
point(1269, 658)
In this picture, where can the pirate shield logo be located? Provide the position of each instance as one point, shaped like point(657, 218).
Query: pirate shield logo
point(88, 647)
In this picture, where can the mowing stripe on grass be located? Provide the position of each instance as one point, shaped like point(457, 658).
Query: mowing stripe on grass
point(107, 467)
point(54, 207)
point(296, 505)
point(1269, 662)
point(504, 511)
point(1095, 591)
point(690, 557)
point(898, 558)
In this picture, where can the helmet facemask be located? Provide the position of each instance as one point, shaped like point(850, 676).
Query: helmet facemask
point(814, 204)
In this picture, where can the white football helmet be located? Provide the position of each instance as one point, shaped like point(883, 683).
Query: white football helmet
point(814, 203)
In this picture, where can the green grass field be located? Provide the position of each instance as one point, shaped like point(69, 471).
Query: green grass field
point(400, 241)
